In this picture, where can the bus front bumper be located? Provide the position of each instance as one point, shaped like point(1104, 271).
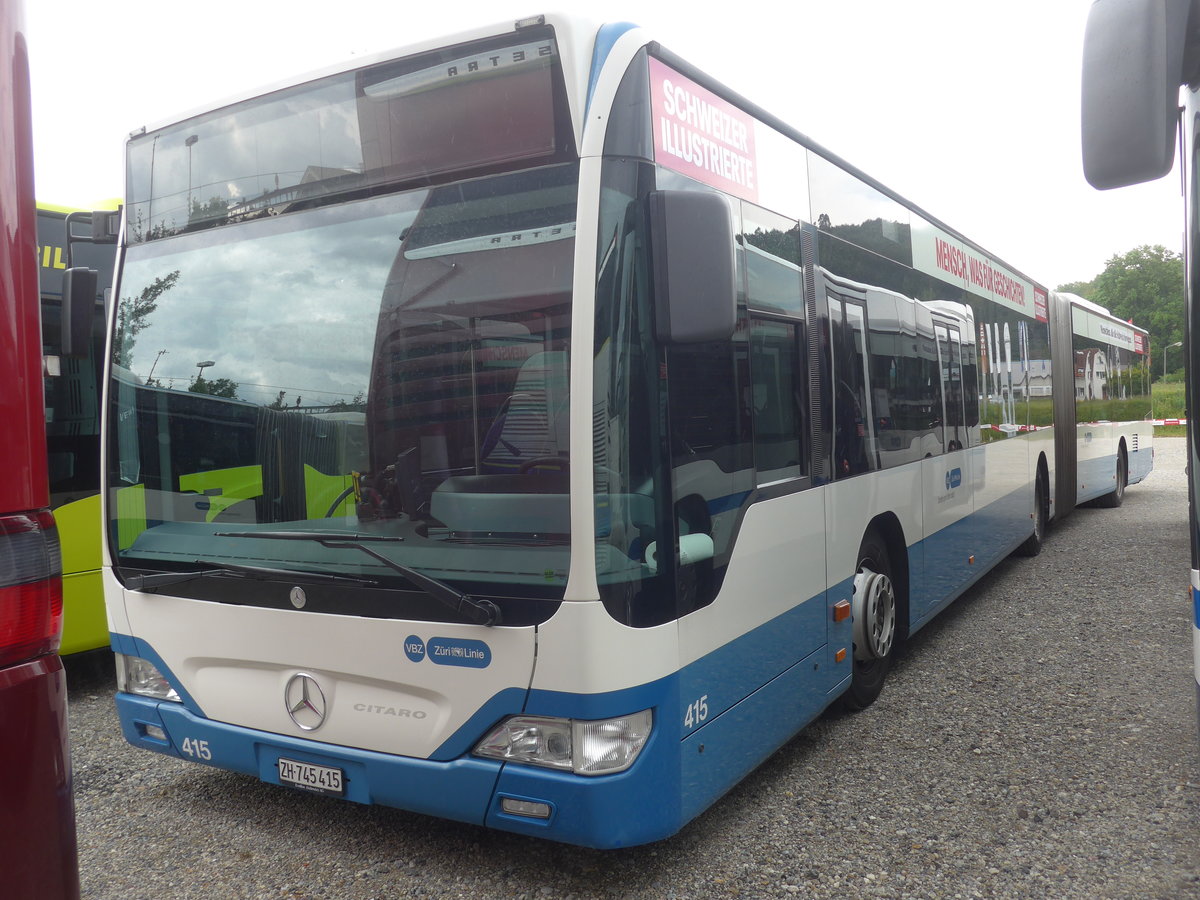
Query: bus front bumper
point(604, 812)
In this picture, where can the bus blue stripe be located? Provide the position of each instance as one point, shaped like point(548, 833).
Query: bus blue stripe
point(606, 37)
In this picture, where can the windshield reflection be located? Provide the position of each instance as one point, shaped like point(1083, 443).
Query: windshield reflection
point(397, 364)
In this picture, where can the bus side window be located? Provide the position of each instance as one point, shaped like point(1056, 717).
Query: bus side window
point(770, 250)
point(779, 400)
point(929, 383)
point(711, 454)
point(970, 390)
point(853, 438)
point(709, 411)
point(950, 353)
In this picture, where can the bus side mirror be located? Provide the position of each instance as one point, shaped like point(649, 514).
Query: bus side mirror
point(693, 268)
point(1134, 60)
point(78, 310)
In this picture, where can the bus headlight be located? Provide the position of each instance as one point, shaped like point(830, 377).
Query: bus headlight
point(582, 746)
point(140, 676)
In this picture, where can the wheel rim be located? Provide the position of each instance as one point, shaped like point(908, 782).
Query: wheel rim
point(874, 615)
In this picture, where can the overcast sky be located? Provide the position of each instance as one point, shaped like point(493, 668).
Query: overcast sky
point(970, 110)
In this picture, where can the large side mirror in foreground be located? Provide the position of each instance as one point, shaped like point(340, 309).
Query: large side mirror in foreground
point(1135, 57)
point(78, 310)
point(692, 256)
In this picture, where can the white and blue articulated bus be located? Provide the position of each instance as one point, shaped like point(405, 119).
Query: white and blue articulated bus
point(525, 429)
point(1141, 97)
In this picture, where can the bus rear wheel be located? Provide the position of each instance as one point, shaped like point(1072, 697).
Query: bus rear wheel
point(1033, 543)
point(1114, 499)
point(875, 612)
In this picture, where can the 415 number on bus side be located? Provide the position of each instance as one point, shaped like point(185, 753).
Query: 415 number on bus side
point(697, 712)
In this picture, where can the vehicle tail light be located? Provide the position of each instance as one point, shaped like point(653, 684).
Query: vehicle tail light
point(30, 586)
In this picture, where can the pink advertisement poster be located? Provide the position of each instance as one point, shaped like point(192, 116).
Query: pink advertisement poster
point(698, 134)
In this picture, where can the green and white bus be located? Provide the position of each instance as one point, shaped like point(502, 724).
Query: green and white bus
point(73, 424)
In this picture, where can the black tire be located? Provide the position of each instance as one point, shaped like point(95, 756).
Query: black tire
point(1041, 516)
point(1114, 499)
point(866, 683)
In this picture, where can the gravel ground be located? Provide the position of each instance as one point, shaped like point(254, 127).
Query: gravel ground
point(1037, 741)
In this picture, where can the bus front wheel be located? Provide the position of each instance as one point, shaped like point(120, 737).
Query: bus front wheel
point(875, 611)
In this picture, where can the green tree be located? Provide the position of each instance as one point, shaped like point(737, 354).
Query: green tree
point(883, 236)
point(216, 209)
point(216, 387)
point(1146, 285)
point(1084, 289)
point(131, 316)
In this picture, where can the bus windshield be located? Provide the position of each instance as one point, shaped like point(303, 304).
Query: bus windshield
point(393, 367)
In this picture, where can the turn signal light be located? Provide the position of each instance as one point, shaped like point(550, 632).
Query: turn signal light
point(531, 808)
point(841, 611)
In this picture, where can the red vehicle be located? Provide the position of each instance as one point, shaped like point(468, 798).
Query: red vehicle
point(37, 819)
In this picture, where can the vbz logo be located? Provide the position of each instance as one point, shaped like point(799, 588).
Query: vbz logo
point(953, 479)
point(414, 648)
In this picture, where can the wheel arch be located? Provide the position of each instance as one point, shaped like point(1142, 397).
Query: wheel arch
point(1042, 473)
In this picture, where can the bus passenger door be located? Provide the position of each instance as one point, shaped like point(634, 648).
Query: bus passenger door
point(947, 483)
point(742, 474)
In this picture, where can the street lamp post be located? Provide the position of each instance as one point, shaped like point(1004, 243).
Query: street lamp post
point(190, 143)
point(150, 377)
point(1165, 349)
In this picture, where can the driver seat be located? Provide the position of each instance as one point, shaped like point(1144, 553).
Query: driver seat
point(533, 422)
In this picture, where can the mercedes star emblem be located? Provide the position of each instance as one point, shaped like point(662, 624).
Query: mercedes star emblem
point(305, 701)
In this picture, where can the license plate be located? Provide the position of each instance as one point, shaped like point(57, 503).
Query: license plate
point(310, 777)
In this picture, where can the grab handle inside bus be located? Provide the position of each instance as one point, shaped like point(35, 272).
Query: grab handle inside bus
point(692, 255)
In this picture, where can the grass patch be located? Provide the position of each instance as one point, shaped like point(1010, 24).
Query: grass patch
point(1170, 431)
point(1168, 400)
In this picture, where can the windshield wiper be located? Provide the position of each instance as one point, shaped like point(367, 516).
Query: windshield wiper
point(479, 610)
point(318, 536)
point(260, 573)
